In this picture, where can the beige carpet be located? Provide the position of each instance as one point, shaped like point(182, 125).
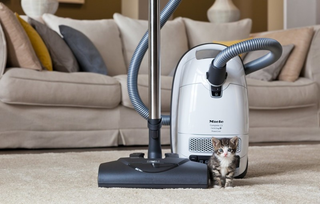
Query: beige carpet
point(279, 174)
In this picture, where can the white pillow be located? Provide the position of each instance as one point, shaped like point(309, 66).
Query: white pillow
point(173, 41)
point(200, 32)
point(104, 34)
point(3, 52)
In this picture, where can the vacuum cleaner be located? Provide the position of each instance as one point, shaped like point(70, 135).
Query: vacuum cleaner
point(209, 98)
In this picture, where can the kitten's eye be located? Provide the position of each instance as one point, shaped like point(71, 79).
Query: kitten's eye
point(221, 150)
point(230, 150)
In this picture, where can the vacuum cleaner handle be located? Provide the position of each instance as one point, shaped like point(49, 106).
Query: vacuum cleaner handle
point(272, 45)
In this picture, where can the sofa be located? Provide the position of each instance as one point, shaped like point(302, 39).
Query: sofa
point(42, 108)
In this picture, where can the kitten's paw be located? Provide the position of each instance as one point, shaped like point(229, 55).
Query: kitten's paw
point(217, 186)
point(229, 187)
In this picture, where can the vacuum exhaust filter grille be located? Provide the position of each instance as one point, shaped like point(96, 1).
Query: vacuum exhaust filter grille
point(204, 145)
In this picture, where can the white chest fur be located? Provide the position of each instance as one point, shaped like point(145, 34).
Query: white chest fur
point(224, 164)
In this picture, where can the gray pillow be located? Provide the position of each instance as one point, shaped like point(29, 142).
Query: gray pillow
point(62, 57)
point(272, 71)
point(88, 56)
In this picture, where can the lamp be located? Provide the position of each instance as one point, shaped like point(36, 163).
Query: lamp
point(223, 11)
point(35, 8)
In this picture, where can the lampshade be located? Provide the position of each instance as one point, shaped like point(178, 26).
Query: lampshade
point(35, 8)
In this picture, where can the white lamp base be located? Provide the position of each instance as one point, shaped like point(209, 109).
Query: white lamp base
point(35, 8)
point(223, 11)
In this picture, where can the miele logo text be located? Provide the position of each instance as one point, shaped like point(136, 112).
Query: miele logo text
point(215, 121)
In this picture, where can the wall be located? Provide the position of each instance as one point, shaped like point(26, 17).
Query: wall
point(138, 9)
point(91, 9)
point(275, 15)
point(257, 10)
point(299, 13)
point(97, 9)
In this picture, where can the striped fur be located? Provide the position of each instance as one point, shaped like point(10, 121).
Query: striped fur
point(222, 163)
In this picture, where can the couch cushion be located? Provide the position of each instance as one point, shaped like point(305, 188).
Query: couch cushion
point(143, 81)
point(301, 38)
point(63, 59)
point(104, 34)
point(3, 52)
point(203, 32)
point(86, 53)
point(281, 94)
point(20, 51)
point(37, 44)
point(173, 41)
point(44, 88)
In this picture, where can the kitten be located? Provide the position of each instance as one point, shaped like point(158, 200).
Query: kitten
point(222, 163)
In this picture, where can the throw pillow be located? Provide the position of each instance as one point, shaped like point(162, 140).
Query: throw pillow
point(104, 34)
point(232, 42)
point(204, 32)
point(62, 57)
point(20, 51)
point(86, 53)
point(37, 44)
point(312, 70)
point(173, 41)
point(301, 39)
point(3, 52)
point(272, 71)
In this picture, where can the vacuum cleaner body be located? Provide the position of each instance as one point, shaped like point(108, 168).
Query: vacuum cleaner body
point(209, 99)
point(200, 110)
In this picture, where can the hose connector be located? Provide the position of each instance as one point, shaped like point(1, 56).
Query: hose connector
point(216, 76)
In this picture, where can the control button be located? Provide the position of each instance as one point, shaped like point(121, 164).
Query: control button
point(193, 158)
point(171, 155)
point(137, 155)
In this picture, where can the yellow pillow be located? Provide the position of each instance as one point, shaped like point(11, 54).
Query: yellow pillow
point(37, 44)
point(229, 43)
point(232, 42)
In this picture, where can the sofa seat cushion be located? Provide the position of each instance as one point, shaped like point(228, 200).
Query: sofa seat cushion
point(266, 95)
point(143, 81)
point(43, 88)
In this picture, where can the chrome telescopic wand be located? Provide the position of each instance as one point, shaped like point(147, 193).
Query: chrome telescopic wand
point(154, 121)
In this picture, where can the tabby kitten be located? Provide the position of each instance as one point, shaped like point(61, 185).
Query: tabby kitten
point(222, 163)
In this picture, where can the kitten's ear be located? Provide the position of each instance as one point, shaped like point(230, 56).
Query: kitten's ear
point(215, 141)
point(234, 141)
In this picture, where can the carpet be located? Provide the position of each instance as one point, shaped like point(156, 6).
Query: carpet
point(276, 174)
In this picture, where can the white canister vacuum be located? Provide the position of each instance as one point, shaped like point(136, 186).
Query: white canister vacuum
point(201, 109)
point(209, 98)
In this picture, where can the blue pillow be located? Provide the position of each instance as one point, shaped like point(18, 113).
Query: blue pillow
point(87, 55)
